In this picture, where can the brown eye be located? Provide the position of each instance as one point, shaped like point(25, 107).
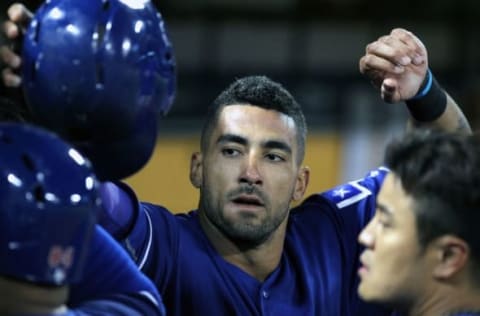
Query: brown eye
point(230, 152)
point(383, 222)
point(274, 157)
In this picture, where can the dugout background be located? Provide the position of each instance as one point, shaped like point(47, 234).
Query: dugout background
point(313, 48)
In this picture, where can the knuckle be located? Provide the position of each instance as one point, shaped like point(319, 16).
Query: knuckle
point(384, 38)
point(368, 60)
point(372, 47)
point(397, 30)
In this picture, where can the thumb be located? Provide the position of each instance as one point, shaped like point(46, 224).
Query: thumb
point(389, 90)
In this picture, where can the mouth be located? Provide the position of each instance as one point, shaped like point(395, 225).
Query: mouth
point(362, 271)
point(248, 201)
point(364, 268)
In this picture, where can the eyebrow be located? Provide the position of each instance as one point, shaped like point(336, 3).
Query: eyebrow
point(231, 138)
point(270, 144)
point(276, 144)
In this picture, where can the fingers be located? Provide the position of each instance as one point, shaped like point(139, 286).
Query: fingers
point(10, 79)
point(9, 58)
point(11, 30)
point(373, 62)
point(418, 53)
point(383, 57)
point(11, 62)
point(391, 53)
point(396, 63)
point(389, 91)
point(19, 15)
point(19, 18)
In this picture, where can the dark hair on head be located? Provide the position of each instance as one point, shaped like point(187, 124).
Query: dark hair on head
point(441, 172)
point(262, 92)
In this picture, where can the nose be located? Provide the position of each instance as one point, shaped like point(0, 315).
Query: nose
point(251, 173)
point(366, 236)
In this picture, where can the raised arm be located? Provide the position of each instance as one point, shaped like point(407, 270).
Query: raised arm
point(397, 64)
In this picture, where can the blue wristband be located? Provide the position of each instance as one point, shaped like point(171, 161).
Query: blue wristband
point(426, 86)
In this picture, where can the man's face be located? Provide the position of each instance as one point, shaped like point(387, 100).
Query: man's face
point(250, 173)
point(394, 267)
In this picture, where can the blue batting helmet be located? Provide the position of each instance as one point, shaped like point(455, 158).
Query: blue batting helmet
point(48, 206)
point(100, 73)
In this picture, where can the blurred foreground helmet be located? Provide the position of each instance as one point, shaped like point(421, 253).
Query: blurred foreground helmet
point(100, 73)
point(48, 204)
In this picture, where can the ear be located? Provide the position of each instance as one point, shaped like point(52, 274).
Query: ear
point(301, 185)
point(196, 176)
point(452, 255)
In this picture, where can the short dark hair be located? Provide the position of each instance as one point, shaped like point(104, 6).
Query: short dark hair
point(441, 172)
point(262, 92)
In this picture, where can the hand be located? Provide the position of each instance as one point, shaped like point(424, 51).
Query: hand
point(14, 28)
point(397, 64)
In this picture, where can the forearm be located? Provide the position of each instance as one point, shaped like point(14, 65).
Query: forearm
point(119, 209)
point(452, 120)
point(124, 219)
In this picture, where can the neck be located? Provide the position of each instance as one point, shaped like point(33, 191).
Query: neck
point(18, 297)
point(258, 260)
point(447, 300)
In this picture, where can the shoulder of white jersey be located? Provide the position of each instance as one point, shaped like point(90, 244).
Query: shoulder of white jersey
point(355, 191)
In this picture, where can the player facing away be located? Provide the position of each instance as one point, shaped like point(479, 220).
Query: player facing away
point(109, 275)
point(49, 242)
point(422, 247)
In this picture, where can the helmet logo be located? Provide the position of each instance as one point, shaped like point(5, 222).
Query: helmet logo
point(59, 256)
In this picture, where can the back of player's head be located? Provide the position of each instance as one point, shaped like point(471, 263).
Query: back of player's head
point(48, 205)
point(442, 173)
point(100, 73)
point(265, 93)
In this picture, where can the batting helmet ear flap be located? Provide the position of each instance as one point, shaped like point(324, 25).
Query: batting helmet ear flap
point(100, 73)
point(48, 205)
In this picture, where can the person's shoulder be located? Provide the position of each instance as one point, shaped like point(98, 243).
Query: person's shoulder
point(163, 221)
point(355, 191)
point(151, 206)
point(352, 192)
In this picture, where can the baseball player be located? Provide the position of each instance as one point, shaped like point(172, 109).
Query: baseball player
point(49, 242)
point(422, 248)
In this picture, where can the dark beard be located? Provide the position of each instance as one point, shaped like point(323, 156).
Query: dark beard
point(244, 235)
